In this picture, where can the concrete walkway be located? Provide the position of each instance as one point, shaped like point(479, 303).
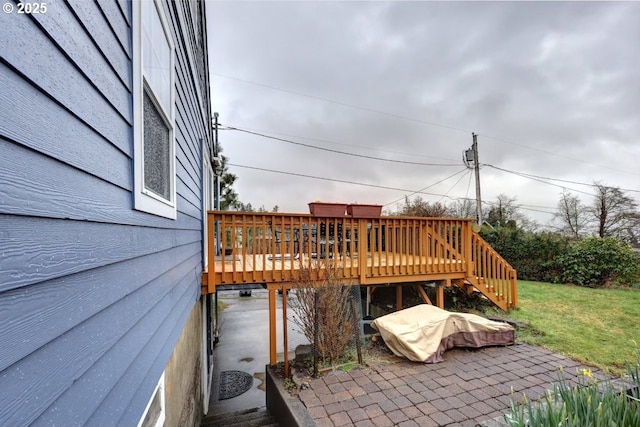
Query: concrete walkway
point(470, 387)
point(244, 346)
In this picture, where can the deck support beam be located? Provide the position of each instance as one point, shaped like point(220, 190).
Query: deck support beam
point(272, 326)
point(440, 295)
point(423, 294)
point(285, 339)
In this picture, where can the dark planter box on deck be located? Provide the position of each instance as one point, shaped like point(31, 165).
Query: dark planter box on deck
point(327, 209)
point(364, 211)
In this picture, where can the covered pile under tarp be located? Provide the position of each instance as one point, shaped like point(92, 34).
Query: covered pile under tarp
point(422, 333)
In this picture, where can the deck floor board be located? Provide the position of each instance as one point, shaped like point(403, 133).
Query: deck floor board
point(239, 264)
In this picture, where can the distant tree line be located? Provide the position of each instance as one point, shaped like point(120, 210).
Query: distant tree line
point(589, 245)
point(596, 244)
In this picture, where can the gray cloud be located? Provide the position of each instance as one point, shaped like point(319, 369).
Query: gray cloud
point(560, 82)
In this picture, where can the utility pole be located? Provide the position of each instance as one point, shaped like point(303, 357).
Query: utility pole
point(476, 165)
point(217, 171)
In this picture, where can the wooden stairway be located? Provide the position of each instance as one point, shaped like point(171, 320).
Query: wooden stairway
point(490, 275)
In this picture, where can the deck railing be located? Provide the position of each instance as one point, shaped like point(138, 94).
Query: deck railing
point(493, 273)
point(274, 248)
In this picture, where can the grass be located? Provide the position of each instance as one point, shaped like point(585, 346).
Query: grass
point(598, 327)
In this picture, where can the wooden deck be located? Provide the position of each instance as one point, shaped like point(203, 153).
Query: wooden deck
point(273, 249)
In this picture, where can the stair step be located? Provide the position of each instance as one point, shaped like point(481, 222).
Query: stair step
point(256, 417)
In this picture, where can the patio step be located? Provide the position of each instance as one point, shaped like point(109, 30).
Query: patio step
point(256, 417)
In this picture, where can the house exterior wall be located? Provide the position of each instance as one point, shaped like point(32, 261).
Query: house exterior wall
point(94, 295)
point(184, 400)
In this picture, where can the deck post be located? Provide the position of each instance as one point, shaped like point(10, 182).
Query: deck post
point(285, 340)
point(399, 296)
point(211, 253)
point(272, 325)
point(363, 242)
point(440, 294)
point(468, 249)
point(514, 290)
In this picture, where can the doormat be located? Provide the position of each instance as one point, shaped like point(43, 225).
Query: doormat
point(234, 383)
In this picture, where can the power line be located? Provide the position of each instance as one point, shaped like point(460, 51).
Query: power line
point(468, 185)
point(533, 177)
point(398, 116)
point(335, 180)
point(427, 187)
point(344, 104)
point(524, 174)
point(344, 144)
point(369, 185)
point(302, 144)
point(453, 186)
point(546, 182)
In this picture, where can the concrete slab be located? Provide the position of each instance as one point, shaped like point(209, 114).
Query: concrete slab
point(244, 346)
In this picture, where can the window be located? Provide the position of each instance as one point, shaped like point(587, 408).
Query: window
point(154, 414)
point(154, 111)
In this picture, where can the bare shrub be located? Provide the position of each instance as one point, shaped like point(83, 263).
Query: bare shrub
point(324, 302)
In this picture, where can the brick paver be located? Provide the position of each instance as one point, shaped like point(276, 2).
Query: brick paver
point(467, 388)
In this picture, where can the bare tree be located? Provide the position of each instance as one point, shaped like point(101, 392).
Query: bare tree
point(420, 207)
point(323, 310)
point(463, 208)
point(615, 213)
point(571, 216)
point(505, 212)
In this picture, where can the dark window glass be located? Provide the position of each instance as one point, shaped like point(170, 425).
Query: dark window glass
point(157, 151)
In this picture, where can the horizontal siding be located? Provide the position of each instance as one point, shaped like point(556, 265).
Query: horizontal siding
point(46, 374)
point(58, 78)
point(74, 40)
point(93, 20)
point(33, 316)
point(185, 155)
point(190, 165)
point(118, 23)
point(93, 294)
point(125, 9)
point(187, 54)
point(162, 350)
point(37, 122)
point(130, 396)
point(41, 186)
point(187, 202)
point(142, 341)
point(56, 248)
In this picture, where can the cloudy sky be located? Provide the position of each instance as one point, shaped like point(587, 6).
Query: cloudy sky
point(551, 89)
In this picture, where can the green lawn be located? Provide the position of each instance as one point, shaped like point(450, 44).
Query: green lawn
point(599, 327)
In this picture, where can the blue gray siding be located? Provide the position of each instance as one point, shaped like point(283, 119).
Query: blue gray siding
point(93, 294)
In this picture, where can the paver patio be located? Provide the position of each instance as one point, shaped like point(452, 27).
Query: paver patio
point(470, 387)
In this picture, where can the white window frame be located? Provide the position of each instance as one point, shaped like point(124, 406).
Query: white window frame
point(144, 199)
point(158, 390)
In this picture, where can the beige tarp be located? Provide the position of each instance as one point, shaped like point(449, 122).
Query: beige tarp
point(422, 333)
